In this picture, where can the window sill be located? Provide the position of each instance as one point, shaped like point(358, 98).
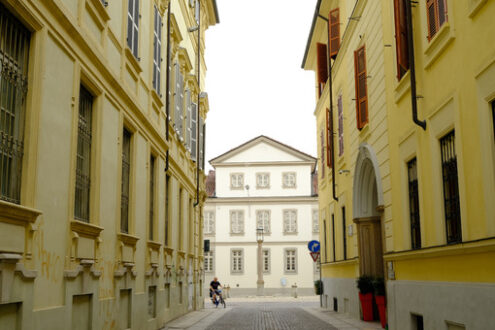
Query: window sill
point(236, 234)
point(287, 187)
point(261, 188)
point(475, 7)
point(157, 98)
point(17, 214)
point(402, 87)
point(438, 44)
point(365, 132)
point(86, 229)
point(128, 239)
point(291, 233)
point(209, 234)
point(133, 60)
point(100, 9)
point(236, 188)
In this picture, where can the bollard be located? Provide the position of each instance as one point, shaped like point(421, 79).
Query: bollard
point(227, 291)
point(294, 290)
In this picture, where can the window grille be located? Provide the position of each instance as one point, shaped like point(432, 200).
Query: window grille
point(344, 237)
point(157, 51)
point(83, 163)
point(152, 196)
point(237, 261)
point(414, 204)
point(451, 188)
point(126, 170)
point(290, 221)
point(263, 220)
point(133, 26)
point(436, 11)
point(290, 260)
point(14, 52)
point(333, 237)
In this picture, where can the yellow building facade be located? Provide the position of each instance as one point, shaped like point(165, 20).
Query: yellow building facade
point(102, 155)
point(407, 199)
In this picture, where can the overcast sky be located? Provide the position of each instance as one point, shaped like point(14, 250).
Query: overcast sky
point(254, 80)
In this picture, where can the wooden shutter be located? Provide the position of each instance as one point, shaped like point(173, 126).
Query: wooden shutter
point(321, 62)
point(157, 45)
point(401, 44)
point(194, 131)
point(334, 32)
point(341, 125)
point(436, 13)
point(329, 138)
point(361, 87)
point(188, 119)
point(322, 152)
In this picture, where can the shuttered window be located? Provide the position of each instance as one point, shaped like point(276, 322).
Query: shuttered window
point(133, 26)
point(340, 111)
point(152, 198)
point(83, 162)
point(188, 119)
point(436, 12)
point(290, 221)
point(321, 62)
point(168, 190)
point(451, 188)
point(263, 220)
point(361, 87)
point(412, 173)
point(126, 174)
point(157, 51)
point(329, 135)
point(194, 131)
point(179, 102)
point(401, 44)
point(334, 32)
point(237, 222)
point(14, 52)
point(322, 153)
point(201, 141)
point(344, 236)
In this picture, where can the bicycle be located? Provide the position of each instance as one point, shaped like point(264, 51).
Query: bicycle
point(219, 298)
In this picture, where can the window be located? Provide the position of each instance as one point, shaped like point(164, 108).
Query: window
point(14, 47)
point(333, 237)
point(344, 237)
point(263, 220)
point(157, 51)
point(237, 222)
point(436, 12)
point(290, 261)
point(401, 43)
point(152, 301)
point(133, 26)
point(208, 261)
point(236, 181)
point(412, 173)
point(334, 32)
point(83, 162)
point(289, 180)
point(290, 221)
point(188, 119)
point(361, 87)
point(451, 188)
point(329, 136)
point(179, 102)
point(316, 224)
point(152, 196)
point(237, 261)
point(322, 153)
point(201, 142)
point(126, 171)
point(209, 222)
point(194, 129)
point(266, 260)
point(322, 64)
point(262, 180)
point(340, 111)
point(167, 209)
point(181, 220)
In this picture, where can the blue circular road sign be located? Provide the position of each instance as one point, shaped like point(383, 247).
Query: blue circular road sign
point(314, 246)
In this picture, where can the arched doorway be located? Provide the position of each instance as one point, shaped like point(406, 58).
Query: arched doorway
point(367, 212)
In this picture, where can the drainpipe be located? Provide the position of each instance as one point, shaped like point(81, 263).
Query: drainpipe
point(167, 84)
point(412, 69)
point(198, 112)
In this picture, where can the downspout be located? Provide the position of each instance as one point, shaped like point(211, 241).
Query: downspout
point(410, 44)
point(167, 84)
point(330, 97)
point(198, 112)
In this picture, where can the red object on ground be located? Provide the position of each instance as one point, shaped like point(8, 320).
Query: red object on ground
point(367, 306)
point(382, 309)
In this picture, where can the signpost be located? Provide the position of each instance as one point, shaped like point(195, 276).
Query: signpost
point(314, 248)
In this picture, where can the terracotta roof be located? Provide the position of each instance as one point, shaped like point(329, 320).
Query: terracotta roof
point(210, 184)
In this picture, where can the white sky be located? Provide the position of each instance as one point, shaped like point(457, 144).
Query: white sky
point(254, 81)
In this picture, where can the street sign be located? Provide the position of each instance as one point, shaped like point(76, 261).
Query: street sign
point(315, 255)
point(314, 246)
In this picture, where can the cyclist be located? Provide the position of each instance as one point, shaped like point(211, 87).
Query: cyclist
point(214, 285)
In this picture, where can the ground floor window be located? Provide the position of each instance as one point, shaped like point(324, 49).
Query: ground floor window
point(290, 260)
point(237, 261)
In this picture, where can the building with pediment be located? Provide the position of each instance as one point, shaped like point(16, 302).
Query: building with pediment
point(262, 183)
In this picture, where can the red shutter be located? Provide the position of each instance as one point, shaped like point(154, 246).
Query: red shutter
point(322, 152)
point(321, 62)
point(361, 87)
point(401, 44)
point(334, 32)
point(431, 15)
point(329, 137)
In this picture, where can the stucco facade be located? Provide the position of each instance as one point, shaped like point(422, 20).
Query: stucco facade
point(105, 230)
point(422, 190)
point(268, 201)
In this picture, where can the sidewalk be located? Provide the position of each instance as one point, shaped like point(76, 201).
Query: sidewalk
point(202, 319)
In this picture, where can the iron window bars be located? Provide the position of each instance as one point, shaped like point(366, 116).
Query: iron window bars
point(412, 172)
point(126, 167)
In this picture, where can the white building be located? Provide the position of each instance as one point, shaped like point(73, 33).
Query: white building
point(262, 183)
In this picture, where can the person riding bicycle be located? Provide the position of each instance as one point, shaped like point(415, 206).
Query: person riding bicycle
point(214, 285)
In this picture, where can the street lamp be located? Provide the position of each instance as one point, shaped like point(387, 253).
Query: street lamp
point(260, 284)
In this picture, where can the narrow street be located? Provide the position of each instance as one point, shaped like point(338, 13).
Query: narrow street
point(268, 313)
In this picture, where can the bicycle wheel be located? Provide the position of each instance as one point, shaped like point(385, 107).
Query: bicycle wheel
point(222, 302)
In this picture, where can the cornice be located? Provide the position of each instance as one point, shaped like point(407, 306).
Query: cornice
point(262, 200)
